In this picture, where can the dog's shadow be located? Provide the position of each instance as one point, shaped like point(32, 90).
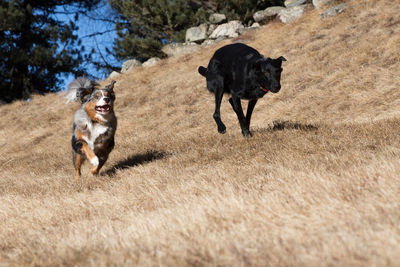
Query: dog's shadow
point(135, 160)
point(288, 125)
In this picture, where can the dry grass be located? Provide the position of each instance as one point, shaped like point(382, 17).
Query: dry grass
point(318, 184)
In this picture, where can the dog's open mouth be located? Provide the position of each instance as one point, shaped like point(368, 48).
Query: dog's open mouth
point(103, 109)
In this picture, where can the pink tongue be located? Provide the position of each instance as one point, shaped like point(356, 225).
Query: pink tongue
point(103, 108)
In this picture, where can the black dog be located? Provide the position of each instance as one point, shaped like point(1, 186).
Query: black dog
point(244, 73)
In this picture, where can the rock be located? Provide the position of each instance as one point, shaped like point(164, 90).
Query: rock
point(320, 3)
point(151, 62)
point(114, 75)
point(229, 29)
point(292, 3)
point(267, 14)
point(208, 42)
point(177, 49)
point(217, 18)
point(219, 39)
point(243, 30)
point(292, 13)
point(255, 25)
point(211, 28)
point(332, 11)
point(196, 34)
point(212, 42)
point(131, 63)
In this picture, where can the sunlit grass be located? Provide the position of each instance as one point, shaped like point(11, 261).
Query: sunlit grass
point(317, 184)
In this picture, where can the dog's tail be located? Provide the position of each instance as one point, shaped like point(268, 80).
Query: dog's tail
point(79, 88)
point(202, 71)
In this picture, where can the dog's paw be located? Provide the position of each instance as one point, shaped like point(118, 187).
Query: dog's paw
point(222, 129)
point(94, 161)
point(247, 133)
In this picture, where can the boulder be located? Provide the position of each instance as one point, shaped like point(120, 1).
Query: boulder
point(332, 11)
point(267, 14)
point(151, 62)
point(229, 30)
point(292, 13)
point(208, 42)
point(177, 49)
point(196, 34)
point(131, 63)
point(292, 3)
point(255, 25)
point(243, 30)
point(217, 18)
point(212, 42)
point(320, 3)
point(114, 75)
point(211, 28)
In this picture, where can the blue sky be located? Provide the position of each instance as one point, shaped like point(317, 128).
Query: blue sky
point(87, 26)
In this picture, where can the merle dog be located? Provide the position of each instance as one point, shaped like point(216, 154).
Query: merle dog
point(244, 73)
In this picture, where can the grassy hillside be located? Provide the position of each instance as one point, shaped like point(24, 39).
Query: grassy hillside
point(317, 184)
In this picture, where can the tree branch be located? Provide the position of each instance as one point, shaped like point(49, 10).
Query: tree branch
point(97, 33)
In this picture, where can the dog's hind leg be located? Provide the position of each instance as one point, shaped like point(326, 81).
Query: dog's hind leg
point(217, 115)
point(78, 159)
point(237, 107)
point(250, 108)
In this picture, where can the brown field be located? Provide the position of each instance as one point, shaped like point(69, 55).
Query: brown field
point(318, 184)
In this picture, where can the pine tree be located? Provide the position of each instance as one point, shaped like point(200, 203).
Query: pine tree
point(244, 9)
point(35, 47)
point(145, 25)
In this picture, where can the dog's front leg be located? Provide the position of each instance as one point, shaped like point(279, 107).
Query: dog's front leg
point(250, 108)
point(96, 169)
point(94, 160)
point(237, 107)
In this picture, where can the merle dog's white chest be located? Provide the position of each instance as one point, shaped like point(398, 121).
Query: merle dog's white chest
point(95, 130)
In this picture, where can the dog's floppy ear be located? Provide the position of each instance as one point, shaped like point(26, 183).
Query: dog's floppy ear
point(86, 88)
point(281, 58)
point(80, 89)
point(83, 94)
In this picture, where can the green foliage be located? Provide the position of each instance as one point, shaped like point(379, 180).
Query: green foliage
point(243, 9)
point(144, 26)
point(36, 48)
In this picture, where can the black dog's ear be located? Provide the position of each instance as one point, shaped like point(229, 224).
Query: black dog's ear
point(282, 58)
point(259, 61)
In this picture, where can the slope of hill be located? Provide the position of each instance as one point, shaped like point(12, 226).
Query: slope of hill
point(317, 184)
